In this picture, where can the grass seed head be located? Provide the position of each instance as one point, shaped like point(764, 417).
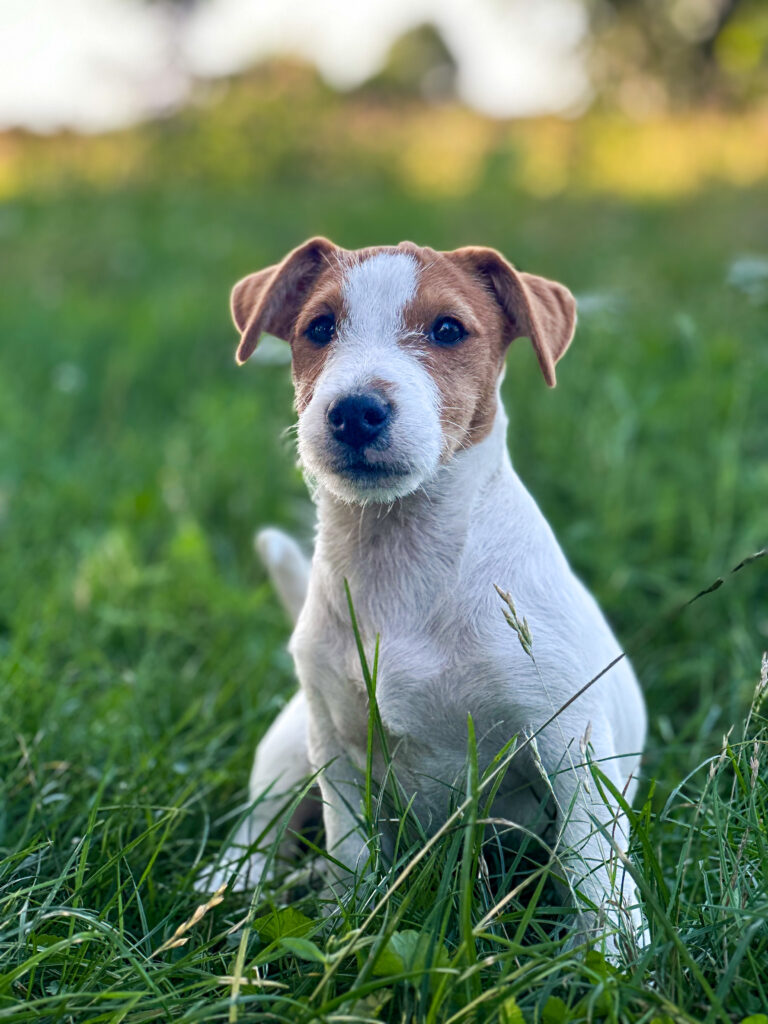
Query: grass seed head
point(179, 938)
point(513, 620)
point(754, 765)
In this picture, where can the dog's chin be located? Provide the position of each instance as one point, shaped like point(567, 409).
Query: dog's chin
point(361, 482)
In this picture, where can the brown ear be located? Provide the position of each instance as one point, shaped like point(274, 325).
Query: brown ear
point(270, 299)
point(535, 307)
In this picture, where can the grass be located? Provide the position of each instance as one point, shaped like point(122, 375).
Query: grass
point(143, 652)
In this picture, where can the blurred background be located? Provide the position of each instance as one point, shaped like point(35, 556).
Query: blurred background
point(152, 153)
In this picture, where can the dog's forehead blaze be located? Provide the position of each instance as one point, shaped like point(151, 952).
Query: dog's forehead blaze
point(403, 290)
point(376, 290)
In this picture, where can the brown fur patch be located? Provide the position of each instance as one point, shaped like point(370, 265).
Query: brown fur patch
point(308, 358)
point(467, 373)
point(533, 307)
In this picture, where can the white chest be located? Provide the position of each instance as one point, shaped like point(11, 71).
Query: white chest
point(432, 671)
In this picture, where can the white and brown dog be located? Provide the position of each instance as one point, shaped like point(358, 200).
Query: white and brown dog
point(397, 356)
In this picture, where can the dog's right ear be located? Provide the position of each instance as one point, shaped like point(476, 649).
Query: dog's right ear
point(270, 299)
point(542, 310)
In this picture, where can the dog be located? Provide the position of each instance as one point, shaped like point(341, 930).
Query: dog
point(397, 358)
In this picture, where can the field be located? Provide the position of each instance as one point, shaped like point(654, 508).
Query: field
point(142, 652)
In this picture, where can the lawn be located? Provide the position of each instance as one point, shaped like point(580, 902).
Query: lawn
point(142, 652)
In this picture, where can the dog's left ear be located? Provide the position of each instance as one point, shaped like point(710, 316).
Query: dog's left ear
point(270, 299)
point(535, 307)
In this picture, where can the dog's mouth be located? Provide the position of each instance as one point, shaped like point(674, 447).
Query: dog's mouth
point(360, 470)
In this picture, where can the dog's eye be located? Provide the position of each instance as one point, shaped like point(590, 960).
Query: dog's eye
point(322, 329)
point(447, 330)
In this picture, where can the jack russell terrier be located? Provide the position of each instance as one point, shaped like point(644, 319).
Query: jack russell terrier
point(397, 356)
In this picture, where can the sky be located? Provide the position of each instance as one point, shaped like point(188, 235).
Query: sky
point(93, 65)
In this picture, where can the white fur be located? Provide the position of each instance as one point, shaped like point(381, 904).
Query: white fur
point(375, 292)
point(367, 349)
point(421, 572)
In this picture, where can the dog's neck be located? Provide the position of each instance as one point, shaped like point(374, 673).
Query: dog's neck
point(421, 537)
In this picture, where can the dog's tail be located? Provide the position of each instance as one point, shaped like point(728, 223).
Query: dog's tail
point(287, 565)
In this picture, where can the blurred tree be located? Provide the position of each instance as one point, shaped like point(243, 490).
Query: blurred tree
point(650, 55)
point(419, 64)
point(173, 18)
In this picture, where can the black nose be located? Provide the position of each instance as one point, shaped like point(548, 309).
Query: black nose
point(357, 420)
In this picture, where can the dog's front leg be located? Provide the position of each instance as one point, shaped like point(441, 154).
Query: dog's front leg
point(589, 828)
point(345, 840)
point(341, 788)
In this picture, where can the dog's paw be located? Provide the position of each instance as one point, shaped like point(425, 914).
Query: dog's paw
point(309, 874)
point(232, 871)
point(620, 941)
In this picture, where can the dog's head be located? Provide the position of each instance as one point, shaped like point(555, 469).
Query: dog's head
point(397, 352)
